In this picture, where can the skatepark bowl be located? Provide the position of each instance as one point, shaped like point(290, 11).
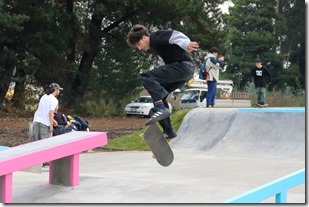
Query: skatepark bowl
point(219, 153)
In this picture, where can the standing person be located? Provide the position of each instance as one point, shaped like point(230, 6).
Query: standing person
point(260, 76)
point(213, 65)
point(44, 115)
point(173, 47)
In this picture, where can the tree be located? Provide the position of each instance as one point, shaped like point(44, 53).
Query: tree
point(82, 44)
point(252, 31)
point(114, 19)
point(37, 44)
point(10, 24)
point(293, 41)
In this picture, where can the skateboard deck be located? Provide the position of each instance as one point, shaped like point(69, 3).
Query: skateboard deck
point(158, 145)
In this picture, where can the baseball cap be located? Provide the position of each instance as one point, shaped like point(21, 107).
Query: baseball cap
point(54, 86)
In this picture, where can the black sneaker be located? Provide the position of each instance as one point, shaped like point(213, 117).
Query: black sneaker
point(159, 115)
point(169, 134)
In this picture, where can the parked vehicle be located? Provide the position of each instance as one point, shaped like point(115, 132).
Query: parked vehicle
point(193, 97)
point(143, 106)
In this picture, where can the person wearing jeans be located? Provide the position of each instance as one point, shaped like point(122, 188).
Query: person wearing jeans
point(261, 77)
point(213, 66)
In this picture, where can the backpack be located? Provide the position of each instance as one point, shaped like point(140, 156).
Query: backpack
point(202, 72)
point(81, 124)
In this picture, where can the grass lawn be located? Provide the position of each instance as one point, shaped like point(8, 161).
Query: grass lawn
point(135, 142)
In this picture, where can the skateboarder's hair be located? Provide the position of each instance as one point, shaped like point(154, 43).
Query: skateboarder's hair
point(135, 34)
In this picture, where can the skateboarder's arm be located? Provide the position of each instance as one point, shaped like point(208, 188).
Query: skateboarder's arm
point(183, 41)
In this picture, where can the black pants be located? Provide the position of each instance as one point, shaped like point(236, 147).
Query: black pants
point(163, 80)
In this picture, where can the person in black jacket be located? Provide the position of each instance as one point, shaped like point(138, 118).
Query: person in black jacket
point(61, 123)
point(173, 47)
point(261, 77)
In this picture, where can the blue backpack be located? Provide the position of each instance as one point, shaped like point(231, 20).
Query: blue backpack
point(202, 72)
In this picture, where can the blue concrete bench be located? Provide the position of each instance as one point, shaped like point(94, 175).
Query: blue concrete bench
point(61, 151)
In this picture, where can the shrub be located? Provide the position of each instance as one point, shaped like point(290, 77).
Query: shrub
point(279, 99)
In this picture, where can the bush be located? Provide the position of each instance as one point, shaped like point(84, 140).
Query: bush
point(98, 108)
point(279, 99)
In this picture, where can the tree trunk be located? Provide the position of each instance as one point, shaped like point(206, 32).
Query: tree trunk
point(92, 46)
point(92, 43)
point(72, 42)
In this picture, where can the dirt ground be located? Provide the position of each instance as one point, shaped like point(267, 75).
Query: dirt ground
point(14, 129)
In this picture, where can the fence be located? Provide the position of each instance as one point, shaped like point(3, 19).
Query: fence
point(235, 95)
point(276, 188)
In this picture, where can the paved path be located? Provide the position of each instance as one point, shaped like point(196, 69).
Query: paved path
point(219, 153)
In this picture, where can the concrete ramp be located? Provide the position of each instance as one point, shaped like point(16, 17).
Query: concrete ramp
point(203, 129)
point(267, 132)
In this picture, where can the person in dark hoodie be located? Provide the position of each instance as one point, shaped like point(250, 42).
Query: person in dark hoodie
point(261, 77)
point(61, 124)
point(173, 47)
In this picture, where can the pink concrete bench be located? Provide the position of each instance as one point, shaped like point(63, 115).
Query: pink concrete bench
point(61, 151)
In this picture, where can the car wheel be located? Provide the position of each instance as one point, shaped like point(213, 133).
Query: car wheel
point(150, 113)
point(128, 115)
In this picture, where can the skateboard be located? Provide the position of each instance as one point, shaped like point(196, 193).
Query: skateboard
point(159, 146)
point(260, 106)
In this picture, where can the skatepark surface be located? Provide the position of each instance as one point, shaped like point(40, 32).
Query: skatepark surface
point(218, 154)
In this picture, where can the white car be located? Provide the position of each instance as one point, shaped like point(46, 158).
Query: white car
point(143, 106)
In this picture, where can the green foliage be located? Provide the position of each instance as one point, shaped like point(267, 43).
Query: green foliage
point(294, 39)
point(279, 99)
point(34, 40)
point(10, 25)
point(114, 74)
point(289, 76)
point(98, 108)
point(250, 35)
point(52, 42)
point(82, 44)
point(135, 140)
point(265, 29)
point(286, 97)
point(250, 88)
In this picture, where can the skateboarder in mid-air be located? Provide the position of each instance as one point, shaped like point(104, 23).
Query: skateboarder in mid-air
point(173, 47)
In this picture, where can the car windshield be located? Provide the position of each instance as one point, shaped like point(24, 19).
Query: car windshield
point(186, 95)
point(189, 95)
point(144, 100)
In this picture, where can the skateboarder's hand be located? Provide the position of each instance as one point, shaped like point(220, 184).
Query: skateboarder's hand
point(193, 46)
